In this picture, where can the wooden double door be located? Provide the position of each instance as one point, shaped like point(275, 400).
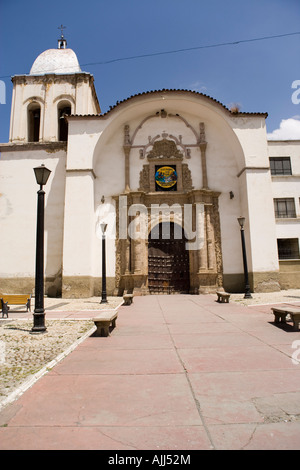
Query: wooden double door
point(168, 260)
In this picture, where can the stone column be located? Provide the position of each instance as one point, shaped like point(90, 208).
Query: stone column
point(127, 148)
point(202, 251)
point(127, 178)
point(211, 256)
point(202, 147)
point(127, 256)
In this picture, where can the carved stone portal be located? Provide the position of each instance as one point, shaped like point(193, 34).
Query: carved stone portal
point(196, 212)
point(203, 238)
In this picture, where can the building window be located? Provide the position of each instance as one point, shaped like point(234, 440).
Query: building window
point(284, 208)
point(34, 120)
point(280, 166)
point(288, 248)
point(63, 109)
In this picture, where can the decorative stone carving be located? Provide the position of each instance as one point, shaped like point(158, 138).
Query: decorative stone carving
point(144, 179)
point(202, 133)
point(165, 149)
point(186, 178)
point(205, 262)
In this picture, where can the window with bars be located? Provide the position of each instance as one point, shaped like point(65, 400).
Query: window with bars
point(280, 166)
point(288, 248)
point(284, 208)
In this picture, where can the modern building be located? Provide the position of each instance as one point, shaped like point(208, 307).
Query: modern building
point(168, 171)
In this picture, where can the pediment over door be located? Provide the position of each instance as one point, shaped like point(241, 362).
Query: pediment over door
point(165, 158)
point(166, 149)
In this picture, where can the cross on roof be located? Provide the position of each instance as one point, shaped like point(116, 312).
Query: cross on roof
point(61, 27)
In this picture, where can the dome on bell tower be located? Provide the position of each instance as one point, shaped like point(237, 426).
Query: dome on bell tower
point(58, 61)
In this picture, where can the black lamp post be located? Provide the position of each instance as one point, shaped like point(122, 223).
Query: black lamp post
point(241, 221)
point(41, 174)
point(103, 298)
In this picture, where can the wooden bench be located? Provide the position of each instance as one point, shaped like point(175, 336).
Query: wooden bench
point(281, 314)
point(14, 299)
point(128, 299)
point(105, 321)
point(223, 297)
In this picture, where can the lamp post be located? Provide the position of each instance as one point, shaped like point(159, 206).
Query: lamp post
point(41, 174)
point(241, 221)
point(103, 297)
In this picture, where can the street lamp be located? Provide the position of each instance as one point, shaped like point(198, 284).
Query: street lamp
point(41, 174)
point(103, 298)
point(241, 221)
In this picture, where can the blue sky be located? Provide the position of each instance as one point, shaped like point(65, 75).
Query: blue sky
point(258, 75)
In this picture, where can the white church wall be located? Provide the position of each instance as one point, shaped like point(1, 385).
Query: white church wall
point(223, 155)
point(18, 209)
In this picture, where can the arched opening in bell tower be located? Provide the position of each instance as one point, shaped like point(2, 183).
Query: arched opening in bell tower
point(63, 109)
point(34, 121)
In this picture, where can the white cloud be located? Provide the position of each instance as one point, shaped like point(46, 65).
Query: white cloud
point(289, 129)
point(198, 86)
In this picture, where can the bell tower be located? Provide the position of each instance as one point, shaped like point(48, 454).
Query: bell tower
point(56, 86)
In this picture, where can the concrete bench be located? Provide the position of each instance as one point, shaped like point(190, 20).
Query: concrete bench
point(223, 297)
point(281, 314)
point(105, 321)
point(14, 299)
point(128, 299)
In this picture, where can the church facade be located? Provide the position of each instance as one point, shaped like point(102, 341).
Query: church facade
point(168, 172)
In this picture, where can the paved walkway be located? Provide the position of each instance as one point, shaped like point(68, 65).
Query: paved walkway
point(178, 373)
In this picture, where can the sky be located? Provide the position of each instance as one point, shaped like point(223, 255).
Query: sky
point(213, 47)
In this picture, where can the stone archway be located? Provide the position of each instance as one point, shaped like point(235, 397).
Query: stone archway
point(168, 260)
point(204, 252)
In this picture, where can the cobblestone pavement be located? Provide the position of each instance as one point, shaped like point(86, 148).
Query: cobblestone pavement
point(90, 303)
point(283, 296)
point(23, 355)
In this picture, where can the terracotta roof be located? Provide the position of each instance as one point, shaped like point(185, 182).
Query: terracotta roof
point(164, 90)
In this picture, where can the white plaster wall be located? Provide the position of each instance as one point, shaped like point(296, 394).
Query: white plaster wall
point(256, 194)
point(252, 135)
point(261, 221)
point(235, 145)
point(224, 158)
point(18, 211)
point(79, 224)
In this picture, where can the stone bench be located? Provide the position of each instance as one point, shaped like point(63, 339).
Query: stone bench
point(14, 299)
point(128, 299)
point(281, 314)
point(223, 297)
point(105, 321)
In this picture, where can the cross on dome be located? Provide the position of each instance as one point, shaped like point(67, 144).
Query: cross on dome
point(62, 42)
